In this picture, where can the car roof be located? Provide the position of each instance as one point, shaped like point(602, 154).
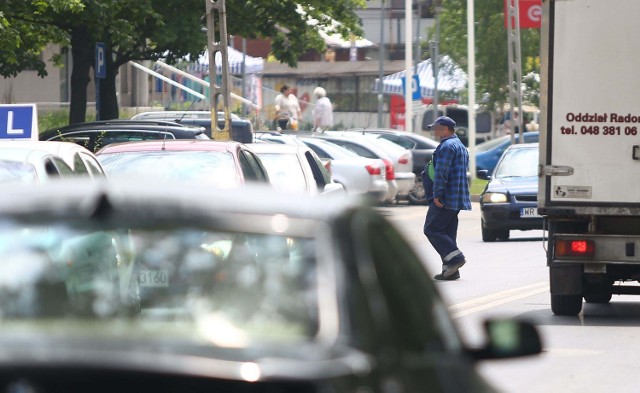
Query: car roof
point(82, 198)
point(125, 125)
point(171, 145)
point(277, 148)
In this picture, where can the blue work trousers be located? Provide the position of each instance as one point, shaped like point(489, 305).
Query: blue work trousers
point(441, 228)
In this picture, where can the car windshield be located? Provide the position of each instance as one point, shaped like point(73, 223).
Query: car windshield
point(285, 171)
point(207, 167)
point(229, 289)
point(518, 163)
point(334, 151)
point(11, 171)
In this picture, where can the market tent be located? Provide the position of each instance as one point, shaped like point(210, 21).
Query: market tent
point(253, 65)
point(450, 78)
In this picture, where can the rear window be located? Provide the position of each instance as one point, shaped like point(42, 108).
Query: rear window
point(206, 167)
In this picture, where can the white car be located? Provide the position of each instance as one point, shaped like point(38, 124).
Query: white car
point(359, 175)
point(32, 162)
point(296, 169)
point(82, 161)
point(399, 159)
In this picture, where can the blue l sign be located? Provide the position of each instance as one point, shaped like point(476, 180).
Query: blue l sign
point(101, 67)
point(18, 121)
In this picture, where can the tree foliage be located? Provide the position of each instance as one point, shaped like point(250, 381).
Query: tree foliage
point(154, 29)
point(491, 48)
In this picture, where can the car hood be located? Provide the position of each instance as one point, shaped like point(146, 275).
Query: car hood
point(514, 185)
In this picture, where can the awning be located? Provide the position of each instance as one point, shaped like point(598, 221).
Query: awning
point(450, 78)
point(253, 65)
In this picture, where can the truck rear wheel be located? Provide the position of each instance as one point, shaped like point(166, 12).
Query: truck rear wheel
point(566, 304)
point(599, 292)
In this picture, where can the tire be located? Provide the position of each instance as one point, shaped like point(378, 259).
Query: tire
point(568, 305)
point(598, 292)
point(503, 235)
point(417, 196)
point(601, 298)
point(488, 235)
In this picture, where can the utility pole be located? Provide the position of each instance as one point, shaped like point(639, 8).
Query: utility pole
point(216, 10)
point(515, 66)
point(381, 66)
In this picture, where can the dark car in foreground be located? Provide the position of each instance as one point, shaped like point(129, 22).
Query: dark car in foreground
point(97, 134)
point(510, 199)
point(141, 288)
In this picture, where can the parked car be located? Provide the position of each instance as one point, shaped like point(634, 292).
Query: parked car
point(359, 175)
point(510, 199)
point(97, 134)
point(399, 160)
point(296, 169)
point(488, 153)
point(81, 161)
point(223, 164)
point(241, 129)
point(241, 290)
point(22, 162)
point(421, 148)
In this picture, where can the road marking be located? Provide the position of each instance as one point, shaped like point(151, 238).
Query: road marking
point(496, 299)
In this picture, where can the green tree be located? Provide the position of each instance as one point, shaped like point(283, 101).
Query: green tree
point(154, 29)
point(491, 49)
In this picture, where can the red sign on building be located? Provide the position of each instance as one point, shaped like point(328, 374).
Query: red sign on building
point(530, 13)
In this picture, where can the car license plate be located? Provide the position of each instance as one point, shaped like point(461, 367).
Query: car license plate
point(154, 278)
point(529, 212)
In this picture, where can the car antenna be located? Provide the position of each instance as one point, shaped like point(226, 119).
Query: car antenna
point(184, 113)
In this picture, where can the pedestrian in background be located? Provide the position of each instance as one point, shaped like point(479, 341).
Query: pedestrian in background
point(447, 190)
point(287, 109)
point(323, 112)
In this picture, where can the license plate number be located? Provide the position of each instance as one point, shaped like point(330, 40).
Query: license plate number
point(154, 278)
point(529, 212)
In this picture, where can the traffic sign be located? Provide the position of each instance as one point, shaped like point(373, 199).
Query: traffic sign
point(101, 66)
point(530, 14)
point(19, 121)
point(415, 87)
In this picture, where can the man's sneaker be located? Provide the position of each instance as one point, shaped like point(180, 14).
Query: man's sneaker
point(452, 268)
point(441, 276)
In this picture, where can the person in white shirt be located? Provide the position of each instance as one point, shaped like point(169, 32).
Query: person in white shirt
point(323, 112)
point(287, 108)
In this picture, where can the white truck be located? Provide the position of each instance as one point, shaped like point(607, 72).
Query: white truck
point(589, 187)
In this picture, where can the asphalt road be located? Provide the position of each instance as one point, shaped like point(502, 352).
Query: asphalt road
point(593, 352)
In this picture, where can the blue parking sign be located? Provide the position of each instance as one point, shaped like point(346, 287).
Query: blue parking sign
point(18, 121)
point(415, 87)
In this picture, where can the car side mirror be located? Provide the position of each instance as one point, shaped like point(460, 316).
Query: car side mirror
point(508, 338)
point(483, 174)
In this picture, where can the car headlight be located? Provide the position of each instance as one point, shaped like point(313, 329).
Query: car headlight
point(494, 197)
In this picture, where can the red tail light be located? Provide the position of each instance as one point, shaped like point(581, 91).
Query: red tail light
point(575, 248)
point(327, 164)
point(388, 166)
point(404, 159)
point(373, 170)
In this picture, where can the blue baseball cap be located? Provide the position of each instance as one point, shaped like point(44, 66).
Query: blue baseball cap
point(445, 121)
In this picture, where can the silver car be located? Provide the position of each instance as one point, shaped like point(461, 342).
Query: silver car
point(400, 177)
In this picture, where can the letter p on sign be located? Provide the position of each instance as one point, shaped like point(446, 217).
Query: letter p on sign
point(100, 66)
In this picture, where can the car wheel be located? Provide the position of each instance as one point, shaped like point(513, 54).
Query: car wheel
point(598, 292)
point(566, 304)
point(417, 195)
point(487, 234)
point(503, 235)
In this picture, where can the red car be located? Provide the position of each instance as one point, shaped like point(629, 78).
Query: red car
point(223, 164)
